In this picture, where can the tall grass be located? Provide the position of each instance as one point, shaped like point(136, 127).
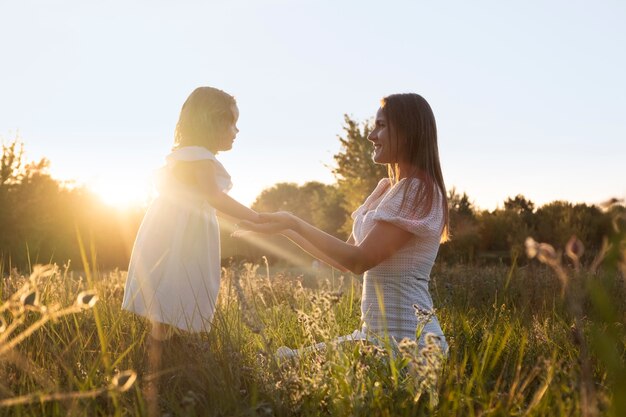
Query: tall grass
point(514, 349)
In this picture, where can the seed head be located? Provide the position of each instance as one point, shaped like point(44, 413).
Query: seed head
point(124, 380)
point(547, 254)
point(30, 298)
point(544, 252)
point(611, 202)
point(86, 299)
point(574, 249)
point(531, 247)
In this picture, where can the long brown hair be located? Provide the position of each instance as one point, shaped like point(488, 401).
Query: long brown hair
point(412, 121)
point(206, 112)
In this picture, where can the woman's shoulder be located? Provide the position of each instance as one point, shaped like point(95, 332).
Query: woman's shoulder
point(405, 207)
point(414, 185)
point(411, 182)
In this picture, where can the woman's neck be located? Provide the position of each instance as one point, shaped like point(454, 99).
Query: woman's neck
point(405, 170)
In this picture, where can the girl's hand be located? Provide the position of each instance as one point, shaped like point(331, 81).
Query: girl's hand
point(270, 223)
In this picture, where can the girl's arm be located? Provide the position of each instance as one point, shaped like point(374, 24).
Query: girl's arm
point(383, 240)
point(298, 240)
point(204, 176)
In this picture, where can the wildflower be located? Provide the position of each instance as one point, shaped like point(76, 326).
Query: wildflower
point(371, 350)
point(124, 380)
point(407, 346)
point(423, 315)
point(334, 297)
point(86, 299)
point(423, 366)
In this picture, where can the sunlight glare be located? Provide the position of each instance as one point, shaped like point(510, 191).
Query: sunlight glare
point(121, 192)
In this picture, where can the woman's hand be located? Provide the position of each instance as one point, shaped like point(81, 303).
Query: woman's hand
point(271, 223)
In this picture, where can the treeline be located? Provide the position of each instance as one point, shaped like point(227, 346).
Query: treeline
point(43, 220)
point(500, 234)
point(478, 236)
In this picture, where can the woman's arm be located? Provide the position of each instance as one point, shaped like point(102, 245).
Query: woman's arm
point(306, 246)
point(383, 240)
point(204, 176)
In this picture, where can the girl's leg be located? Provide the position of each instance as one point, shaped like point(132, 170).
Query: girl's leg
point(161, 331)
point(154, 350)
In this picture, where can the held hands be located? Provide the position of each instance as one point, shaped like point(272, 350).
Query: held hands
point(269, 223)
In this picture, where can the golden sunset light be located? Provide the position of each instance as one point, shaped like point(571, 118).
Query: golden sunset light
point(312, 208)
point(121, 192)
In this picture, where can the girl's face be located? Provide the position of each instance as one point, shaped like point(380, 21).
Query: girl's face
point(385, 147)
point(227, 137)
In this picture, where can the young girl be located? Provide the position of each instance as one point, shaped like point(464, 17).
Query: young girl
point(174, 273)
point(397, 230)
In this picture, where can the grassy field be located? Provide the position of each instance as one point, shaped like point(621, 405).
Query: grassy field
point(517, 347)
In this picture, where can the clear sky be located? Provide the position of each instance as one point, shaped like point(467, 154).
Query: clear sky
point(530, 97)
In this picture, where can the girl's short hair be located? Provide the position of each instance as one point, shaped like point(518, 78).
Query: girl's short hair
point(206, 112)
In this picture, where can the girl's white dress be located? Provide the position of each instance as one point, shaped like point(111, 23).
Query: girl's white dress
point(174, 271)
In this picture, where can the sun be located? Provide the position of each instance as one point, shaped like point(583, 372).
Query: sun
point(121, 192)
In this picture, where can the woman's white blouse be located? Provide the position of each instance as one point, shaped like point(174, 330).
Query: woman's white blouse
point(391, 288)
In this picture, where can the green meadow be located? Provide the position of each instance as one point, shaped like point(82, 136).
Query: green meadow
point(522, 342)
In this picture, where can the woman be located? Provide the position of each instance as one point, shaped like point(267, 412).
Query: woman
point(398, 229)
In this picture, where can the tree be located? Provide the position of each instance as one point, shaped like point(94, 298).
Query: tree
point(519, 204)
point(463, 227)
point(24, 190)
point(524, 208)
point(11, 162)
point(356, 172)
point(317, 203)
point(39, 218)
point(460, 204)
point(502, 231)
point(559, 220)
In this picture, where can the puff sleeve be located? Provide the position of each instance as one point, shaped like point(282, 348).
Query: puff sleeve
point(406, 216)
point(198, 153)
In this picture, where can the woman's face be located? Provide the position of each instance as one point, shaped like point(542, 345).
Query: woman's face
point(227, 137)
point(385, 147)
